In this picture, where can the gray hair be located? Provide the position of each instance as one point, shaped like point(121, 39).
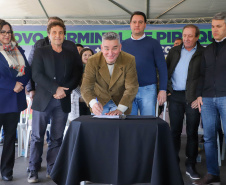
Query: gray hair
point(111, 36)
point(220, 16)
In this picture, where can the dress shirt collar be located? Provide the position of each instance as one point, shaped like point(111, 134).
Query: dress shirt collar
point(192, 48)
point(220, 40)
point(139, 38)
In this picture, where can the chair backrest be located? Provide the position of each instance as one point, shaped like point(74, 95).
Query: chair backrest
point(164, 110)
point(24, 115)
point(222, 128)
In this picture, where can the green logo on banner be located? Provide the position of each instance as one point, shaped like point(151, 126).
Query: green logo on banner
point(165, 37)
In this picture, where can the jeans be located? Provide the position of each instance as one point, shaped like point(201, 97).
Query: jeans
point(145, 100)
point(211, 109)
point(177, 108)
point(39, 123)
point(110, 106)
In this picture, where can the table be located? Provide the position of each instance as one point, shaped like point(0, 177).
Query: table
point(119, 152)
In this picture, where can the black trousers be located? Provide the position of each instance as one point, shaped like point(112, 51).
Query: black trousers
point(177, 108)
point(9, 122)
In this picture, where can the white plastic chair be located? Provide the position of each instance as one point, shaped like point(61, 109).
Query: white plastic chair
point(48, 128)
point(66, 127)
point(22, 127)
point(223, 144)
point(220, 155)
point(164, 110)
point(29, 129)
point(218, 150)
point(223, 149)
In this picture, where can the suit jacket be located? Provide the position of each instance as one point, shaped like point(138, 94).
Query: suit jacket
point(9, 100)
point(193, 70)
point(121, 87)
point(43, 73)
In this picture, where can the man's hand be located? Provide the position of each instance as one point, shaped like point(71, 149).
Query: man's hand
point(97, 109)
point(161, 97)
point(113, 113)
point(200, 103)
point(194, 104)
point(32, 93)
point(60, 93)
point(18, 87)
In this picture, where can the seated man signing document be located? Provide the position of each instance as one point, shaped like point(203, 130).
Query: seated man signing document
point(110, 80)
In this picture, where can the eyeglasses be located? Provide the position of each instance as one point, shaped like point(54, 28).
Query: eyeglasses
point(5, 33)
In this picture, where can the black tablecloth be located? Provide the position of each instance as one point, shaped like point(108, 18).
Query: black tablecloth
point(117, 152)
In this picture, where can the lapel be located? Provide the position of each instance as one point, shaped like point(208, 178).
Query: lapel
point(66, 59)
point(52, 62)
point(199, 49)
point(117, 72)
point(103, 70)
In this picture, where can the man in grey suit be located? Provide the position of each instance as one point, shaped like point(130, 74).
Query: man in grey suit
point(56, 71)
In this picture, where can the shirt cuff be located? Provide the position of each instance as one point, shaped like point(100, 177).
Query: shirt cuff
point(92, 102)
point(122, 108)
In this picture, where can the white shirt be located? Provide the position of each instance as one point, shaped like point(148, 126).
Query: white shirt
point(139, 38)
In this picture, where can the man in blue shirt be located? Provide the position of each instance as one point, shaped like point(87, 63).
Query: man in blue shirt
point(183, 63)
point(149, 55)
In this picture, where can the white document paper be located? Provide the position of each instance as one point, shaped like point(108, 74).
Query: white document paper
point(107, 117)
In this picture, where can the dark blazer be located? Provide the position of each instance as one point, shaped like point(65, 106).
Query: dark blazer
point(43, 73)
point(67, 44)
point(121, 87)
point(193, 70)
point(9, 100)
point(212, 81)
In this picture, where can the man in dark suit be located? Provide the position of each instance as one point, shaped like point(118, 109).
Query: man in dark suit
point(57, 72)
point(69, 45)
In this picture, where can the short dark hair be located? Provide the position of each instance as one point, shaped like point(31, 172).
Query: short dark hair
point(139, 13)
point(197, 31)
point(53, 24)
point(3, 23)
point(79, 45)
point(85, 49)
point(220, 16)
point(178, 39)
point(55, 18)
